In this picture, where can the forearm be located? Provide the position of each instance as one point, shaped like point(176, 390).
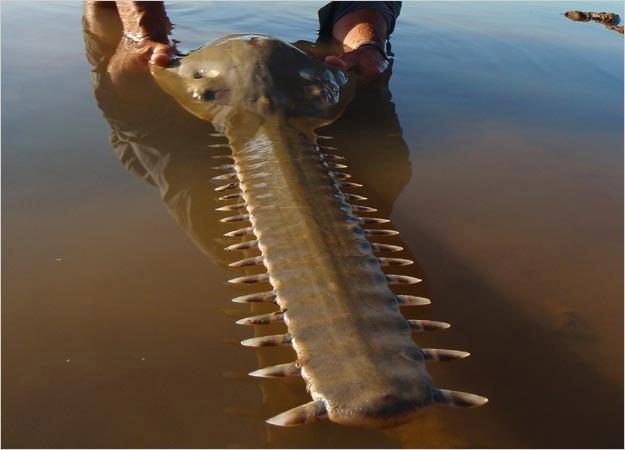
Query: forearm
point(375, 19)
point(144, 20)
point(363, 25)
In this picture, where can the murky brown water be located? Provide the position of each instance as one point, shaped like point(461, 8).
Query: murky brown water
point(498, 158)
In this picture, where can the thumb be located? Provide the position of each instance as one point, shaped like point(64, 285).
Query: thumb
point(161, 54)
point(335, 61)
point(346, 61)
point(350, 59)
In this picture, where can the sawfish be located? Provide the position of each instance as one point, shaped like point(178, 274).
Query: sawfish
point(288, 191)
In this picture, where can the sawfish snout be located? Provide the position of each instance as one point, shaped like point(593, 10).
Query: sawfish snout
point(382, 410)
point(353, 344)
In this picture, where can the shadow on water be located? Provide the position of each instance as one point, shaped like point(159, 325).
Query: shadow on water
point(541, 393)
point(518, 364)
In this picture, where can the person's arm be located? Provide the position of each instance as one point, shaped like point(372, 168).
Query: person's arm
point(139, 32)
point(362, 28)
point(363, 25)
point(147, 25)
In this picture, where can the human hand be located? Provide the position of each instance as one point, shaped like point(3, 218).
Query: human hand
point(147, 26)
point(366, 61)
point(131, 59)
point(360, 36)
point(160, 54)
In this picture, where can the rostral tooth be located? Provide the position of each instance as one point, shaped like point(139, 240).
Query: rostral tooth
point(258, 297)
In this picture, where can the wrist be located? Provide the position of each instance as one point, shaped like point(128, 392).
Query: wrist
point(144, 21)
point(373, 46)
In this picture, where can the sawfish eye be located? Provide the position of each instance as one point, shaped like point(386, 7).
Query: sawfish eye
point(208, 95)
point(204, 96)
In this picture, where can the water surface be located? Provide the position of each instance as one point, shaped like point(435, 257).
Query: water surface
point(498, 157)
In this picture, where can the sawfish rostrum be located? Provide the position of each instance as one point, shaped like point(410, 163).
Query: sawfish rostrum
point(288, 193)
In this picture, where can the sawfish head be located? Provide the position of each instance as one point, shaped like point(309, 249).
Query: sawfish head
point(242, 74)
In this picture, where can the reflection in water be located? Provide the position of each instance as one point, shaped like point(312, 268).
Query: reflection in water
point(162, 144)
point(155, 139)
